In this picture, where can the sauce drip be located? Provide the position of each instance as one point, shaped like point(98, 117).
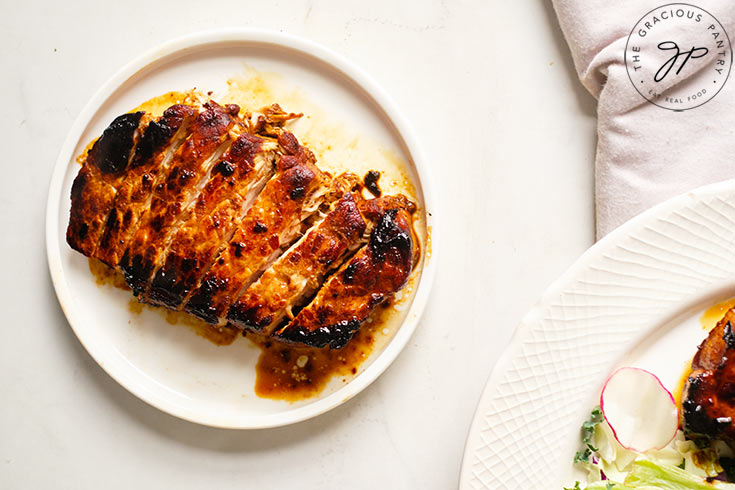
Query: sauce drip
point(287, 372)
point(283, 372)
point(679, 388)
point(104, 275)
point(714, 314)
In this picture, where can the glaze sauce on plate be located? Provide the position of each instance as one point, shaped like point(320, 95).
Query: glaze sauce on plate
point(714, 314)
point(283, 372)
point(292, 373)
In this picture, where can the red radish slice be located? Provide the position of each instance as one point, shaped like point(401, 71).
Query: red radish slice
point(640, 411)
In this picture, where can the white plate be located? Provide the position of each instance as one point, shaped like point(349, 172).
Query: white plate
point(634, 298)
point(169, 366)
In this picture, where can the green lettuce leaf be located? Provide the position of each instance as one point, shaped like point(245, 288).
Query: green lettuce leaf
point(647, 475)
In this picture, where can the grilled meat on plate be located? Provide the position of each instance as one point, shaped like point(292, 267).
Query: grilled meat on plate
point(153, 155)
point(708, 398)
point(210, 137)
point(236, 180)
point(298, 273)
point(273, 222)
point(379, 269)
point(95, 186)
point(226, 216)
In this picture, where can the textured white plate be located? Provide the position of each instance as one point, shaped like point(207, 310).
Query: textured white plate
point(632, 299)
point(169, 366)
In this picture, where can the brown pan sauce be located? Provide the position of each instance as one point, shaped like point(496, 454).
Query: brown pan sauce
point(283, 372)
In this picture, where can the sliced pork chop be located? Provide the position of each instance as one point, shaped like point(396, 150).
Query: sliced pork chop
point(153, 154)
point(299, 272)
point(191, 165)
point(95, 186)
point(270, 225)
point(374, 274)
point(236, 180)
point(708, 398)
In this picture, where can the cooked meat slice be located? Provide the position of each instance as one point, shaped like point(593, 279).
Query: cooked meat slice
point(236, 180)
point(271, 224)
point(150, 164)
point(378, 270)
point(269, 120)
point(190, 169)
point(299, 272)
point(708, 398)
point(95, 186)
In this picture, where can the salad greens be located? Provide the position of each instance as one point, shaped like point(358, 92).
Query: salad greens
point(679, 466)
point(648, 475)
point(588, 432)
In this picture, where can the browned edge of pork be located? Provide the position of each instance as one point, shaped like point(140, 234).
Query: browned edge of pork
point(191, 165)
point(273, 222)
point(299, 272)
point(236, 180)
point(708, 397)
point(153, 154)
point(374, 274)
point(95, 186)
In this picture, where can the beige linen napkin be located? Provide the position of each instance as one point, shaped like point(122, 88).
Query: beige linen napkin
point(645, 153)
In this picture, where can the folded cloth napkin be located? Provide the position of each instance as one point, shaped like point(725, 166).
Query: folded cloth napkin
point(645, 153)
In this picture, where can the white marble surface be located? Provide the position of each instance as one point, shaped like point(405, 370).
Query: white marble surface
point(490, 89)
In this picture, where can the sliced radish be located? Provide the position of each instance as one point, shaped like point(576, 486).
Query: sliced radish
point(640, 411)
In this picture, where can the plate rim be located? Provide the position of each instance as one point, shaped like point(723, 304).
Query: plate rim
point(593, 253)
point(384, 103)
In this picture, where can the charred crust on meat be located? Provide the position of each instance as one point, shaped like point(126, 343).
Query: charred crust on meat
point(245, 147)
point(200, 305)
point(335, 336)
point(289, 143)
point(159, 133)
point(112, 224)
point(348, 275)
point(136, 271)
point(111, 152)
point(83, 230)
point(696, 407)
point(165, 289)
point(349, 218)
point(77, 231)
point(296, 179)
point(259, 227)
point(80, 183)
point(371, 183)
point(249, 317)
point(172, 282)
point(238, 247)
point(389, 236)
point(288, 161)
point(224, 168)
point(232, 109)
point(157, 223)
point(211, 121)
point(728, 336)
